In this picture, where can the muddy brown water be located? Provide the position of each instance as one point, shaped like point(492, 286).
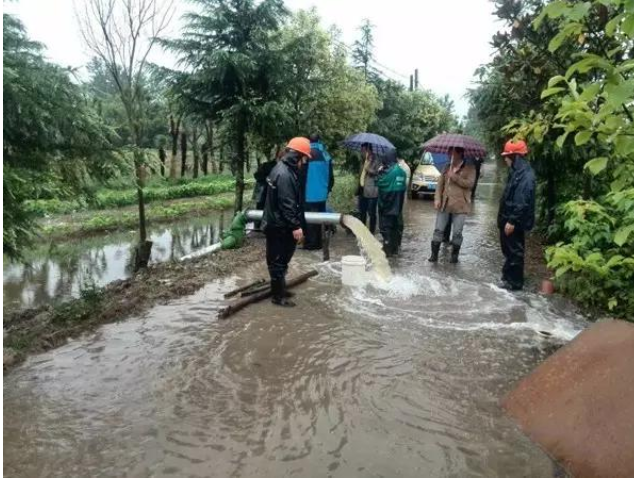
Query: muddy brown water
point(402, 379)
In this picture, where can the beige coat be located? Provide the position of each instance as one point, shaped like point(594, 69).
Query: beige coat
point(455, 194)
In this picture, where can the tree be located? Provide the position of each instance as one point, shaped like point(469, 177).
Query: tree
point(227, 51)
point(562, 78)
point(363, 49)
point(409, 118)
point(53, 143)
point(122, 33)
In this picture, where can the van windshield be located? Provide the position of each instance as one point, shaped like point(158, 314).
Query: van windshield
point(427, 159)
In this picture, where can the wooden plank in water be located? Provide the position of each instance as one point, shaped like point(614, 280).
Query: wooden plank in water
point(243, 302)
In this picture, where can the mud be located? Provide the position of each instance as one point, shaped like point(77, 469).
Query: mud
point(36, 330)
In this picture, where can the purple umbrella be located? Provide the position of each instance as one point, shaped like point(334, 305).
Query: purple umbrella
point(380, 145)
point(442, 143)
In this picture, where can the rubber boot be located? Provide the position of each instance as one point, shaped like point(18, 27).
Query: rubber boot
point(278, 287)
point(455, 251)
point(435, 249)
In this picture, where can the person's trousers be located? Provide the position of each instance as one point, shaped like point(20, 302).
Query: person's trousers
point(457, 224)
point(313, 233)
point(513, 250)
point(400, 228)
point(446, 235)
point(280, 247)
point(389, 227)
point(368, 207)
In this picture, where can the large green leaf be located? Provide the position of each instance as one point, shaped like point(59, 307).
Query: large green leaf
point(557, 41)
point(551, 91)
point(596, 165)
point(590, 92)
point(582, 137)
point(621, 236)
point(628, 26)
point(618, 94)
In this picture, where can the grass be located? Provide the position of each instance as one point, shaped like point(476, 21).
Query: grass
point(158, 191)
point(114, 220)
point(342, 198)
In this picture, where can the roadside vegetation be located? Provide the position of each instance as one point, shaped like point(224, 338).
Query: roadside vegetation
point(563, 78)
point(110, 198)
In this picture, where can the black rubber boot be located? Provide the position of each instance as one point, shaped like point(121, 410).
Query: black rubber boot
point(435, 248)
point(455, 251)
point(278, 287)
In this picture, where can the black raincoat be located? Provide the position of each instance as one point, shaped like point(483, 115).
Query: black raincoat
point(517, 205)
point(283, 208)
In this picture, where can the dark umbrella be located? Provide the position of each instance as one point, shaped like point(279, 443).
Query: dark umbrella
point(473, 149)
point(380, 145)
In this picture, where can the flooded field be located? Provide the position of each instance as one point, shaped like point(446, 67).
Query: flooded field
point(60, 271)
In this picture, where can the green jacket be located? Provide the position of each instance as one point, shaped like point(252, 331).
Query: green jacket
point(392, 187)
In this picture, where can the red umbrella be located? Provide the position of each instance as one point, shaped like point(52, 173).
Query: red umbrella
point(473, 149)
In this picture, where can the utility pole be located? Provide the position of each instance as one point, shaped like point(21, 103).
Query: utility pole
point(411, 82)
point(416, 79)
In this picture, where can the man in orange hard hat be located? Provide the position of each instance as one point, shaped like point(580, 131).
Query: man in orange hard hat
point(283, 217)
point(516, 215)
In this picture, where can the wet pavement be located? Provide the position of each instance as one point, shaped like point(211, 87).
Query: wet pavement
point(401, 379)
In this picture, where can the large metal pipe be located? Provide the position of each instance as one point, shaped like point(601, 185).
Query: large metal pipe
point(201, 252)
point(311, 217)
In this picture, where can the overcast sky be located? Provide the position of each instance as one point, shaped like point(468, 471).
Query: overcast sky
point(445, 39)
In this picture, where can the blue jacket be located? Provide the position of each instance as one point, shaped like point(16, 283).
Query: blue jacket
point(319, 175)
point(517, 205)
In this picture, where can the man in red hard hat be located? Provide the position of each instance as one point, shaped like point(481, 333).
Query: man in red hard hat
point(516, 215)
point(283, 217)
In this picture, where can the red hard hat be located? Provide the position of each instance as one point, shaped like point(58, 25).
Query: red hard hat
point(300, 144)
point(515, 147)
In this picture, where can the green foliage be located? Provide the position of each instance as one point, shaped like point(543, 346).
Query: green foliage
point(409, 118)
point(563, 80)
point(118, 220)
point(113, 198)
point(343, 194)
point(82, 309)
point(596, 263)
point(51, 135)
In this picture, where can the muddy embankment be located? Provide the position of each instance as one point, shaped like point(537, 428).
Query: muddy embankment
point(39, 329)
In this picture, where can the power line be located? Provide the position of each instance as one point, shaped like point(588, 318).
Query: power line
point(380, 71)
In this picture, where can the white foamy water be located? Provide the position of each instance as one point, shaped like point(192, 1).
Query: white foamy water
point(370, 246)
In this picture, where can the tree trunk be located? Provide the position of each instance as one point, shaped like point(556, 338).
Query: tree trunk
point(183, 153)
point(209, 147)
point(195, 151)
point(162, 157)
point(174, 132)
point(144, 248)
point(221, 163)
point(205, 158)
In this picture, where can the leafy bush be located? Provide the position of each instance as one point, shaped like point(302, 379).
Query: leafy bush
point(81, 309)
point(343, 193)
point(108, 221)
point(596, 265)
point(113, 198)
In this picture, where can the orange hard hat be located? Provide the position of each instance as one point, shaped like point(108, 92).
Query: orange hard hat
point(300, 144)
point(515, 147)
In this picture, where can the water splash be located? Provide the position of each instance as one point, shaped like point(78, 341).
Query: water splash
point(370, 246)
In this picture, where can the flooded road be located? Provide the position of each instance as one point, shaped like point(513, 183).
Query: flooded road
point(396, 380)
point(60, 271)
